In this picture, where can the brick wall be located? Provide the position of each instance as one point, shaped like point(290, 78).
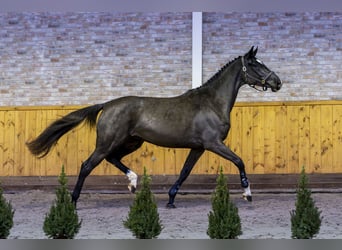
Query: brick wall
point(84, 58)
point(304, 49)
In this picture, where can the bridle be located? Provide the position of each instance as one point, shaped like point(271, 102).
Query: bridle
point(248, 76)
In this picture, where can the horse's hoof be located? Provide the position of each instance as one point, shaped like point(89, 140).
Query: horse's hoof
point(169, 205)
point(132, 189)
point(248, 198)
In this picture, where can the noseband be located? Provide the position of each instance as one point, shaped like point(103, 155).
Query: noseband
point(248, 76)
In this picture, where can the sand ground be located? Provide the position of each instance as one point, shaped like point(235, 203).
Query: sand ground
point(268, 216)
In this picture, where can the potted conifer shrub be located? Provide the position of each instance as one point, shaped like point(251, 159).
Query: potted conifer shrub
point(306, 218)
point(224, 219)
point(143, 218)
point(6, 216)
point(62, 221)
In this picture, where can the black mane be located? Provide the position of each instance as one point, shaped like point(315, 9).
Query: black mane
point(218, 73)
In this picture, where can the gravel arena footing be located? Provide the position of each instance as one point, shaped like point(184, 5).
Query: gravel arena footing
point(102, 214)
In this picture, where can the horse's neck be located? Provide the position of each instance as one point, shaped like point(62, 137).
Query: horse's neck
point(227, 86)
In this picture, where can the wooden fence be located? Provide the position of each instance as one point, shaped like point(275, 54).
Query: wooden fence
point(271, 138)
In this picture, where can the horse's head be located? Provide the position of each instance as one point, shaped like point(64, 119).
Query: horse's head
point(256, 73)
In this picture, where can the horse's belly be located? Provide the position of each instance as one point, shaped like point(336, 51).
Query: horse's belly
point(172, 138)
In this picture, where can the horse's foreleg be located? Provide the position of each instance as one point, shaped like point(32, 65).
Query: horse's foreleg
point(86, 169)
point(192, 158)
point(222, 150)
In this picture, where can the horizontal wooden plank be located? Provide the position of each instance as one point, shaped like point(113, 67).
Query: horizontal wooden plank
point(162, 183)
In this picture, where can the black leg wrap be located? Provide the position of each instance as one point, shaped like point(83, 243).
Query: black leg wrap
point(244, 182)
point(172, 194)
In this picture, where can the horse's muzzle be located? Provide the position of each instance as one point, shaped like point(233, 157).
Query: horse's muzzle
point(276, 83)
point(278, 86)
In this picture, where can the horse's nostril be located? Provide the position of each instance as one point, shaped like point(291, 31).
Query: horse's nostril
point(280, 84)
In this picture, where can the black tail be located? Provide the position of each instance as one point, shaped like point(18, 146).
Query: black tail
point(49, 137)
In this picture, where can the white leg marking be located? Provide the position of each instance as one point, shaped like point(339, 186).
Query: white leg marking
point(133, 178)
point(247, 192)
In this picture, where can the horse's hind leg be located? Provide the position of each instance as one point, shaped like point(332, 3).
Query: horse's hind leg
point(115, 157)
point(86, 168)
point(132, 177)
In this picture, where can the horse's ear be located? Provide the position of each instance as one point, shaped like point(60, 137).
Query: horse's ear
point(255, 51)
point(251, 53)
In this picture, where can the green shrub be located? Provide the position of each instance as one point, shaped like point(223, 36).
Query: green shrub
point(143, 218)
point(62, 220)
point(224, 220)
point(6, 216)
point(306, 218)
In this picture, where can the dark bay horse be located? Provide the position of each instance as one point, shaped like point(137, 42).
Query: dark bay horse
point(199, 119)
